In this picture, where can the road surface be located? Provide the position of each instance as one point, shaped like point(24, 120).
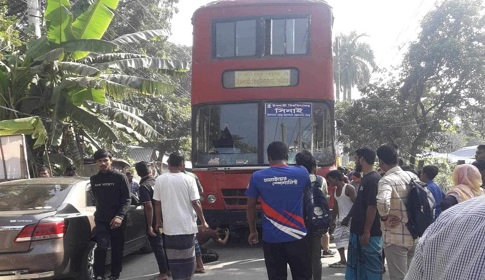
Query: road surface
point(237, 261)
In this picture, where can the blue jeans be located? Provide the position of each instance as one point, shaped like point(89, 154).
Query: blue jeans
point(364, 262)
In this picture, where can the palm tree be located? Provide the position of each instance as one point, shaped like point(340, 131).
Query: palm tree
point(353, 63)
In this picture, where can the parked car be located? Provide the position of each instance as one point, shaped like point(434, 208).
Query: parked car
point(46, 225)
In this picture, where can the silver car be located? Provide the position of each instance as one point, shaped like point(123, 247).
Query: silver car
point(45, 228)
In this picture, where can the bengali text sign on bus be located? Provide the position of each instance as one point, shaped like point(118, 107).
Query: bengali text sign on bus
point(262, 78)
point(288, 110)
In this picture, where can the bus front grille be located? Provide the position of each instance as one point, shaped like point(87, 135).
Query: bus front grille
point(234, 197)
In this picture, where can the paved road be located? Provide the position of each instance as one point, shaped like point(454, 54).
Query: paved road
point(237, 261)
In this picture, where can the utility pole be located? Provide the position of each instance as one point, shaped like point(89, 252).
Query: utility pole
point(33, 9)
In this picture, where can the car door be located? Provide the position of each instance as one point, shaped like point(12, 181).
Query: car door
point(135, 235)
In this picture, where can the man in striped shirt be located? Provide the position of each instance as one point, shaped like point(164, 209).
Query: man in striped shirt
point(392, 193)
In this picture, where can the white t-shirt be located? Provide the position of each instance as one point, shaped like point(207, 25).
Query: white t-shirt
point(176, 191)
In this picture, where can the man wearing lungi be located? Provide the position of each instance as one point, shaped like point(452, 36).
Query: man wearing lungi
point(177, 207)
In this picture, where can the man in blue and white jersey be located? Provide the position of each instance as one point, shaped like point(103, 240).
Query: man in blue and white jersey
point(280, 190)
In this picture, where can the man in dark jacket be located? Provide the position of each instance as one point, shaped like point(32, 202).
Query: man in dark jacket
point(112, 196)
point(146, 197)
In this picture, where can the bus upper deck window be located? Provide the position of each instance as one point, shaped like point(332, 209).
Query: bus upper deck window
point(287, 36)
point(236, 38)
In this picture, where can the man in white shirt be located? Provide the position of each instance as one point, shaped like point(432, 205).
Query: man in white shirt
point(176, 205)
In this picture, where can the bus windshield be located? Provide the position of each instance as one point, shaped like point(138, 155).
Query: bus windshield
point(227, 135)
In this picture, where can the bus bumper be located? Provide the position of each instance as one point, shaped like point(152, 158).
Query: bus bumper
point(229, 218)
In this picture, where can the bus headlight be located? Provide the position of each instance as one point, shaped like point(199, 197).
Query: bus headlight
point(211, 198)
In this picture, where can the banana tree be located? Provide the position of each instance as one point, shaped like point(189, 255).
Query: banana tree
point(76, 80)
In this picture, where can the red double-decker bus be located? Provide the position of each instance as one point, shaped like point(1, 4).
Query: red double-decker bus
point(261, 72)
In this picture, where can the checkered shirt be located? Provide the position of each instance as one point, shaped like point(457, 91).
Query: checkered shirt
point(452, 248)
point(391, 200)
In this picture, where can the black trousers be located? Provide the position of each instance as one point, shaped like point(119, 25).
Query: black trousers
point(293, 253)
point(108, 238)
point(157, 246)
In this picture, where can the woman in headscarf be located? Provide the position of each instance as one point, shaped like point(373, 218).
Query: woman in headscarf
point(467, 180)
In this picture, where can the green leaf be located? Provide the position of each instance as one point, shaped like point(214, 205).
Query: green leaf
point(138, 37)
point(89, 46)
point(54, 55)
point(32, 126)
point(129, 131)
point(107, 57)
point(91, 139)
point(38, 47)
point(121, 106)
point(114, 90)
point(132, 120)
point(87, 94)
point(172, 66)
point(59, 20)
point(93, 23)
point(78, 68)
point(140, 84)
point(92, 122)
point(118, 86)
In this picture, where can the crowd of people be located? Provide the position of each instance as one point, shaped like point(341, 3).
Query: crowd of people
point(370, 215)
point(172, 206)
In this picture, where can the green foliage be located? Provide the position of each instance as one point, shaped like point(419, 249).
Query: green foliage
point(135, 15)
point(59, 20)
point(444, 179)
point(50, 80)
point(441, 76)
point(9, 36)
point(443, 70)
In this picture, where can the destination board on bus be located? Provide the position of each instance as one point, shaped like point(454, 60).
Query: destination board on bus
point(288, 110)
point(260, 78)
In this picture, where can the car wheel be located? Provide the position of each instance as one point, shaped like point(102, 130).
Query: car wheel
point(147, 248)
point(87, 272)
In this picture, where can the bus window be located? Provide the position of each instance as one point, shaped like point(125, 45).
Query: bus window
point(227, 135)
point(236, 38)
point(286, 36)
point(302, 126)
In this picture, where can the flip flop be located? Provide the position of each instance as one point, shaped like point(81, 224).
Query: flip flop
point(160, 277)
point(337, 265)
point(200, 271)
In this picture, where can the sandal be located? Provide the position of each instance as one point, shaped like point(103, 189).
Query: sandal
point(200, 271)
point(160, 277)
point(337, 265)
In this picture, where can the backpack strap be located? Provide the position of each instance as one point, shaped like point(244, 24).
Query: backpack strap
point(319, 181)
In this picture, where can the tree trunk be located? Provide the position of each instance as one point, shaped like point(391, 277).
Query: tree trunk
point(34, 16)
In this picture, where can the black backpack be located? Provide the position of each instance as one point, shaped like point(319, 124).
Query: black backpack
point(317, 212)
point(419, 208)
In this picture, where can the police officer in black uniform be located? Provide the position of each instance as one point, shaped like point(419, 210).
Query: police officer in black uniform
point(112, 195)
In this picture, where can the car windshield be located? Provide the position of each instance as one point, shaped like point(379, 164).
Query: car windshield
point(32, 197)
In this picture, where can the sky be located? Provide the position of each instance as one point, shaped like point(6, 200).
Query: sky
point(389, 24)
